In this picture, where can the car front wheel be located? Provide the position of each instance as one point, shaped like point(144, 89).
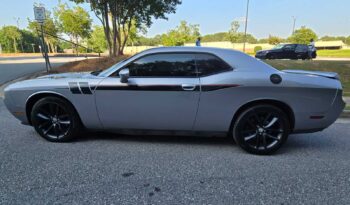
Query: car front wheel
point(55, 119)
point(261, 129)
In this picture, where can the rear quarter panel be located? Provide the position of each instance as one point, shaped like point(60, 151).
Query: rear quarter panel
point(305, 95)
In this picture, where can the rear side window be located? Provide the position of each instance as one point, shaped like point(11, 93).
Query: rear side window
point(290, 47)
point(209, 64)
point(301, 48)
point(164, 65)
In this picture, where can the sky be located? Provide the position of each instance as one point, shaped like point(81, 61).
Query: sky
point(266, 17)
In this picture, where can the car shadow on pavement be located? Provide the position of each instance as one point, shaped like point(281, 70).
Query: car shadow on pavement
point(295, 143)
point(166, 139)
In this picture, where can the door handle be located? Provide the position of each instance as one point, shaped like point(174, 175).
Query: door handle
point(188, 87)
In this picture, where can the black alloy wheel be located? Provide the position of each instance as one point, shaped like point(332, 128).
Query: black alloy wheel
point(55, 119)
point(261, 129)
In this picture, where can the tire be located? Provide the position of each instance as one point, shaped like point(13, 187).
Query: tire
point(55, 119)
point(271, 57)
point(261, 129)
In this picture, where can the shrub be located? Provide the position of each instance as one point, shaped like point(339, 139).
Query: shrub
point(257, 48)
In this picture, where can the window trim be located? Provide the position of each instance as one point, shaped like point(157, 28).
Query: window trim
point(116, 73)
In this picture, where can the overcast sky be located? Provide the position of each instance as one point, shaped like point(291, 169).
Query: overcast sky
point(325, 17)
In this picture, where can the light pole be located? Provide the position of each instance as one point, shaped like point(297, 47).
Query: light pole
point(246, 26)
point(33, 47)
point(17, 21)
point(294, 20)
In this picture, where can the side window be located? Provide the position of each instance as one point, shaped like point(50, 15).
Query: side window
point(289, 47)
point(209, 64)
point(164, 65)
point(301, 48)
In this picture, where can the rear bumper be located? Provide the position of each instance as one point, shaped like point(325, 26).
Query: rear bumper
point(326, 119)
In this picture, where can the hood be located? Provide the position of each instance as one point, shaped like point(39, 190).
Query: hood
point(66, 75)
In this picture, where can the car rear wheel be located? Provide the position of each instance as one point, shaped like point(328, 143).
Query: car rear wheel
point(261, 129)
point(55, 119)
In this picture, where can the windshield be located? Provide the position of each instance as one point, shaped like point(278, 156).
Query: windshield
point(279, 46)
point(102, 73)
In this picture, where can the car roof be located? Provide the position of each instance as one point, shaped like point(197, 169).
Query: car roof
point(194, 49)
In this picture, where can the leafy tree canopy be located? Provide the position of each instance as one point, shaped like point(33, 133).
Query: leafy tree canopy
point(118, 17)
point(181, 34)
point(74, 22)
point(303, 36)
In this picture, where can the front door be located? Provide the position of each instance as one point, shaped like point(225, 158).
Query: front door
point(162, 93)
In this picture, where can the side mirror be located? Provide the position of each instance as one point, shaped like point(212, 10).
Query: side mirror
point(124, 75)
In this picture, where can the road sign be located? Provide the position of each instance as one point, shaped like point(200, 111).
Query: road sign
point(39, 14)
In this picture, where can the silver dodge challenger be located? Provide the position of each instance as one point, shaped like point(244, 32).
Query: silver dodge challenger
point(182, 91)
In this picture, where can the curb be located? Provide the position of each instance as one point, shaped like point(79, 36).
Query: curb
point(345, 114)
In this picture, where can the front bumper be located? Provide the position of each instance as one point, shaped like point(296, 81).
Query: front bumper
point(260, 56)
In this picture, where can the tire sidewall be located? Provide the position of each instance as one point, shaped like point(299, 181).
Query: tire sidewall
point(75, 122)
point(240, 141)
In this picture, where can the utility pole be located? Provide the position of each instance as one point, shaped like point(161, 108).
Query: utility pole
point(17, 21)
point(246, 26)
point(33, 47)
point(294, 20)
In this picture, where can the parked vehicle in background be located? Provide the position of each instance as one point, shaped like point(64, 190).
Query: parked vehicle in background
point(286, 51)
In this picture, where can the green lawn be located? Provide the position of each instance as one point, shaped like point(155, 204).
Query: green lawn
point(340, 67)
point(344, 53)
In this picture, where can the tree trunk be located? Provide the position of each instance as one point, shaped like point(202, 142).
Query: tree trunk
point(15, 44)
point(76, 44)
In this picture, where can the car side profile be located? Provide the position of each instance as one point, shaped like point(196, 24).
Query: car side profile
point(182, 91)
point(286, 51)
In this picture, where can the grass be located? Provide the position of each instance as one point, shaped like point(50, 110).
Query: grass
point(344, 53)
point(340, 67)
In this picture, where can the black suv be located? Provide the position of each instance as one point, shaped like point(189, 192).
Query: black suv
point(286, 51)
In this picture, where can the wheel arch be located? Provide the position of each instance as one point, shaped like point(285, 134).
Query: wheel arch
point(32, 99)
point(282, 105)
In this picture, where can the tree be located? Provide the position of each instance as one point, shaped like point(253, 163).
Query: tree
point(144, 41)
point(76, 22)
point(303, 36)
point(97, 40)
point(239, 37)
point(30, 41)
point(181, 34)
point(117, 17)
point(9, 37)
point(234, 35)
point(50, 30)
point(347, 40)
point(221, 36)
point(274, 40)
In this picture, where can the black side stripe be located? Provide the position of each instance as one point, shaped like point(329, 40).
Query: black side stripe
point(73, 87)
point(144, 87)
point(84, 87)
point(205, 88)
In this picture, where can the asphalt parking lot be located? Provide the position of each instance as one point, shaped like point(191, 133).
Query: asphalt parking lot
point(116, 169)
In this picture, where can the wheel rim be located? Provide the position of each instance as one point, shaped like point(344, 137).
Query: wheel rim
point(53, 120)
point(262, 130)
